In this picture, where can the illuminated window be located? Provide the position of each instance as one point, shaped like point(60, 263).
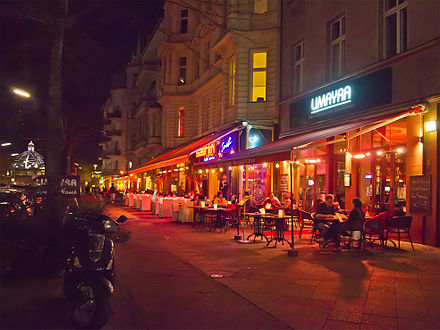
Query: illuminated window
point(184, 21)
point(232, 76)
point(181, 123)
point(182, 71)
point(260, 6)
point(396, 34)
point(297, 67)
point(259, 71)
point(337, 48)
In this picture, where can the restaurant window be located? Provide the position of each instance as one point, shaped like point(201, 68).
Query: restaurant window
point(182, 70)
point(184, 21)
point(337, 48)
point(260, 6)
point(259, 73)
point(181, 123)
point(297, 67)
point(232, 80)
point(395, 27)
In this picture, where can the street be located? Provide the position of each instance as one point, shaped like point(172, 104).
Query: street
point(164, 281)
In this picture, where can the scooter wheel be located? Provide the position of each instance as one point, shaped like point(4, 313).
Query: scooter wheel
point(90, 312)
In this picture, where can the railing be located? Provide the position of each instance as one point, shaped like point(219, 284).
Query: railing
point(114, 114)
point(113, 132)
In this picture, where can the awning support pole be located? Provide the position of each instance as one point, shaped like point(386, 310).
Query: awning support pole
point(292, 252)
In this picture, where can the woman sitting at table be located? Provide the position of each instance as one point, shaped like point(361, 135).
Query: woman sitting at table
point(220, 200)
point(272, 201)
point(355, 219)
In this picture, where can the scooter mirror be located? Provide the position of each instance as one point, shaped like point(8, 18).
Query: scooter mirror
point(121, 219)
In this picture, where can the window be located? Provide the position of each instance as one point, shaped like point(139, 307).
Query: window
point(154, 126)
point(337, 48)
point(116, 165)
point(184, 21)
point(260, 6)
point(396, 34)
point(231, 83)
point(259, 70)
point(297, 67)
point(181, 123)
point(182, 71)
point(205, 118)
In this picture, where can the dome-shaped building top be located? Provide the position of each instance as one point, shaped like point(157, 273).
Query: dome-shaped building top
point(29, 159)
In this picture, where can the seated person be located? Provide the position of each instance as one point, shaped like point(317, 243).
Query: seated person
point(355, 219)
point(272, 201)
point(220, 200)
point(325, 212)
point(234, 199)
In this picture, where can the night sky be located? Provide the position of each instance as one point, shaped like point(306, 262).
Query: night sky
point(97, 46)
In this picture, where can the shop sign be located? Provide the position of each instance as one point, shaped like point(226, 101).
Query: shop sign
point(284, 183)
point(69, 184)
point(207, 151)
point(420, 194)
point(351, 97)
point(227, 145)
point(331, 99)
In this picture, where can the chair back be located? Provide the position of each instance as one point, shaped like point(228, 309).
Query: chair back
point(400, 222)
point(305, 215)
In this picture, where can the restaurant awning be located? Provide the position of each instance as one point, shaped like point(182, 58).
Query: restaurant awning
point(181, 154)
point(280, 150)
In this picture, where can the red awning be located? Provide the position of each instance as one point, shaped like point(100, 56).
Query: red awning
point(280, 150)
point(181, 154)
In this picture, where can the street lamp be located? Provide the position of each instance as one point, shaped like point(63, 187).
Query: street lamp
point(21, 92)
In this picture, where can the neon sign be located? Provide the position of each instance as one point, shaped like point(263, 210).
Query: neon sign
point(207, 151)
point(226, 145)
point(332, 99)
point(253, 140)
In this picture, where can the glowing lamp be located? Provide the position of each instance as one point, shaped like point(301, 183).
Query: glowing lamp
point(202, 204)
point(263, 211)
point(200, 171)
point(215, 206)
point(221, 169)
point(431, 126)
point(359, 156)
point(280, 213)
point(399, 150)
point(277, 165)
point(264, 164)
point(379, 153)
point(230, 168)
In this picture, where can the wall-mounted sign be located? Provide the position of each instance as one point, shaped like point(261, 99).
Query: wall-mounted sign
point(347, 180)
point(227, 145)
point(331, 99)
point(420, 194)
point(349, 97)
point(368, 176)
point(258, 137)
point(207, 151)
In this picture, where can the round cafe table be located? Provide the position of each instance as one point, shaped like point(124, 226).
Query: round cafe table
point(279, 223)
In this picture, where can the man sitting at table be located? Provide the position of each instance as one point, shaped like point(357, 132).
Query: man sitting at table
point(220, 200)
point(326, 214)
point(272, 201)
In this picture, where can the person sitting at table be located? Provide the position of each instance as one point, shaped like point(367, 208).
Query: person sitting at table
point(355, 219)
point(272, 201)
point(234, 199)
point(220, 200)
point(326, 214)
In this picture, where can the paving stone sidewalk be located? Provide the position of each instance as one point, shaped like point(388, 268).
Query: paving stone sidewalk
point(378, 288)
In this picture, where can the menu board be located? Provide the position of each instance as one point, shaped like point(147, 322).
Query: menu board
point(420, 194)
point(284, 183)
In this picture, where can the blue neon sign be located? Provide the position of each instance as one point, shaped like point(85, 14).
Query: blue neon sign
point(227, 145)
point(253, 141)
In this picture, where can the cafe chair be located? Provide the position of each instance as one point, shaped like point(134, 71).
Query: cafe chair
point(306, 219)
point(399, 225)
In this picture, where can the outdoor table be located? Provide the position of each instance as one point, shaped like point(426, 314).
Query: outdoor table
point(279, 223)
point(130, 200)
point(187, 212)
point(220, 217)
point(197, 212)
point(258, 226)
point(145, 202)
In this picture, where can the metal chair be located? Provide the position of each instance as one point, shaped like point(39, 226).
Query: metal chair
point(306, 218)
point(399, 225)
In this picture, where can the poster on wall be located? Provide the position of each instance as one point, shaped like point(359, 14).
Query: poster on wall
point(420, 194)
point(284, 183)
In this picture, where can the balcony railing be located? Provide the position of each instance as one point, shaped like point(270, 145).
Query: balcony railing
point(113, 132)
point(114, 114)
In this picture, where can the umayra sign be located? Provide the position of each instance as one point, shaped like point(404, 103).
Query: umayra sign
point(332, 99)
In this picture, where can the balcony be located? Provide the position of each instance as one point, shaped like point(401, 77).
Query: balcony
point(110, 152)
point(114, 114)
point(113, 132)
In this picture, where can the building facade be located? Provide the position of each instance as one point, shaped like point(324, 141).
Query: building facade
point(119, 127)
point(361, 80)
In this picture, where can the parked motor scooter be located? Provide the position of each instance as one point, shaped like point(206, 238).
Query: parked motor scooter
point(89, 275)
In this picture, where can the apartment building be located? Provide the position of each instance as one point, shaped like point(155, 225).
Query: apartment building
point(360, 84)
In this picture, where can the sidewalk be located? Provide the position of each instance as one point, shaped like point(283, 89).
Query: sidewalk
point(379, 288)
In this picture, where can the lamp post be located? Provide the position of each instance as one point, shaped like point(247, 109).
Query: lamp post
point(292, 252)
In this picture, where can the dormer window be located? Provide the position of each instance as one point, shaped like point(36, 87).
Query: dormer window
point(184, 21)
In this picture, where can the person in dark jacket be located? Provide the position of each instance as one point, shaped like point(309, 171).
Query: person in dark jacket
point(355, 219)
